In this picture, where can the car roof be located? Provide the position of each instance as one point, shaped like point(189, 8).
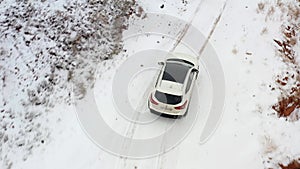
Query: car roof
point(181, 66)
point(174, 81)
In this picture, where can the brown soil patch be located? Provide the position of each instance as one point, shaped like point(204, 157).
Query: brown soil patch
point(285, 46)
point(288, 83)
point(286, 106)
point(293, 165)
point(289, 100)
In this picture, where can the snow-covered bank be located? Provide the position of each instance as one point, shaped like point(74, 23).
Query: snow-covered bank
point(47, 49)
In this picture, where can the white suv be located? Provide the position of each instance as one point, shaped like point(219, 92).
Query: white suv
point(174, 85)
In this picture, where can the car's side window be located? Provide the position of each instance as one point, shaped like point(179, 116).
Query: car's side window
point(189, 82)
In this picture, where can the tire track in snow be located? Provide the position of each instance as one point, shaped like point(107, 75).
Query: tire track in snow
point(217, 20)
point(133, 125)
point(212, 30)
point(142, 104)
point(183, 32)
point(162, 158)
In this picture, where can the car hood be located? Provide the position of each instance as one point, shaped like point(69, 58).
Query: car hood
point(184, 57)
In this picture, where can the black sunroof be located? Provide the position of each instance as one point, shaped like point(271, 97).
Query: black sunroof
point(175, 72)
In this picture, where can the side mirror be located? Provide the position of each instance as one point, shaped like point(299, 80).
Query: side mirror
point(195, 70)
point(161, 63)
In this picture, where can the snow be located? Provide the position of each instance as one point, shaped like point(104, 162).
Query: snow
point(40, 64)
point(249, 135)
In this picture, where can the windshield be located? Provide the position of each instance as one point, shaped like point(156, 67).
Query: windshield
point(167, 98)
point(181, 60)
point(175, 72)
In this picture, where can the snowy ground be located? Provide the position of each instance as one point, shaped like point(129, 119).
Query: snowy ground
point(47, 134)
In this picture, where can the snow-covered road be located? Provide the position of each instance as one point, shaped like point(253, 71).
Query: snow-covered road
point(231, 123)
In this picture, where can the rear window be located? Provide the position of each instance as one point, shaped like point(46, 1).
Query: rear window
point(167, 98)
